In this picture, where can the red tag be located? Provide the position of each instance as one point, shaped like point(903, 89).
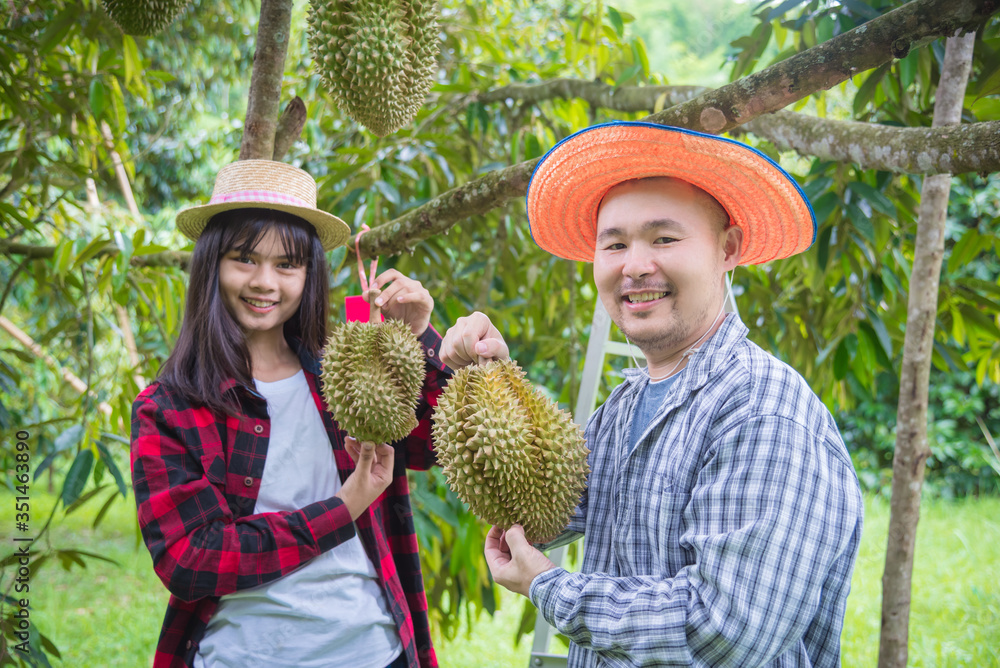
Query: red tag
point(357, 309)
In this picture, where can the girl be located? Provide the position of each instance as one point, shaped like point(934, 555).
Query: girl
point(283, 541)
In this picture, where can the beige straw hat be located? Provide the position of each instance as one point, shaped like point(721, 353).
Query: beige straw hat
point(265, 184)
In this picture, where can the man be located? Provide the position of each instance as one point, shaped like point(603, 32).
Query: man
point(722, 515)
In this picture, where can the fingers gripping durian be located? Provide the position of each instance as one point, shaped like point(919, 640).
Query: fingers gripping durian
point(376, 57)
point(144, 17)
point(372, 375)
point(508, 451)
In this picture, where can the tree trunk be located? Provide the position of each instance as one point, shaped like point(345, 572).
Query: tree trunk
point(265, 83)
point(911, 428)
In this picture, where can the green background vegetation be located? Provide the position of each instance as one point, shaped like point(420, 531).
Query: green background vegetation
point(109, 615)
point(174, 104)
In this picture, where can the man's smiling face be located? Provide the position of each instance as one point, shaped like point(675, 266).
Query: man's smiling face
point(662, 252)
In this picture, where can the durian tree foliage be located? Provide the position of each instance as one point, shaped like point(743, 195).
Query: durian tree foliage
point(444, 198)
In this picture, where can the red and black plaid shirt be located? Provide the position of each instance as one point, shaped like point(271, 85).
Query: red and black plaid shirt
point(196, 477)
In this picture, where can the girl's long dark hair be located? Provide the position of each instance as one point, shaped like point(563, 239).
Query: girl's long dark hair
point(211, 348)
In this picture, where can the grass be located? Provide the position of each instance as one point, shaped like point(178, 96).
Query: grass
point(107, 615)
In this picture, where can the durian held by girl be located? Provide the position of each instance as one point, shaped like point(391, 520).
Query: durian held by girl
point(372, 374)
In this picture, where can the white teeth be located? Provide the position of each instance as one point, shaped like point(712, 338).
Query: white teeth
point(646, 297)
point(258, 304)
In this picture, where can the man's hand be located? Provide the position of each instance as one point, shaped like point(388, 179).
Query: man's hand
point(404, 299)
point(513, 562)
point(370, 478)
point(472, 339)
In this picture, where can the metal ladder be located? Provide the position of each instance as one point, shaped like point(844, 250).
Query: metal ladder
point(598, 347)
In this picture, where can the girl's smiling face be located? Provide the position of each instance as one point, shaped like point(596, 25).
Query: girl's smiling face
point(262, 288)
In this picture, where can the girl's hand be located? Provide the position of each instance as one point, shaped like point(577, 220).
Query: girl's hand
point(370, 478)
point(404, 299)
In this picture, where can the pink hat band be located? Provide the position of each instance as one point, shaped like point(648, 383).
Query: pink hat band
point(262, 197)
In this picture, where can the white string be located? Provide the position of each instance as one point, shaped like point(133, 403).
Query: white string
point(691, 349)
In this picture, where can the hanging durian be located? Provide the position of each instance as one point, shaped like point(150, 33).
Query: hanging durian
point(508, 451)
point(372, 375)
point(377, 58)
point(144, 17)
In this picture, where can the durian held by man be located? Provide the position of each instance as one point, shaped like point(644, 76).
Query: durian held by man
point(722, 513)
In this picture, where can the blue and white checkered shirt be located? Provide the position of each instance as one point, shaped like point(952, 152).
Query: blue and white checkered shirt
point(727, 537)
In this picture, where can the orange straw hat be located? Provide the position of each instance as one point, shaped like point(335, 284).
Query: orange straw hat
point(570, 181)
point(265, 184)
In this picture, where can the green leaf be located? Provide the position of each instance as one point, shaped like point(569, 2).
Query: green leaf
point(784, 8)
point(867, 90)
point(823, 247)
point(133, 61)
point(840, 361)
point(87, 496)
point(113, 468)
point(58, 29)
point(981, 322)
point(90, 250)
point(641, 56)
point(880, 331)
point(825, 205)
point(861, 222)
point(388, 191)
point(991, 83)
point(69, 438)
point(875, 198)
point(76, 479)
point(860, 8)
point(908, 68)
point(616, 21)
point(148, 250)
point(97, 97)
point(628, 74)
point(104, 509)
point(964, 250)
point(166, 77)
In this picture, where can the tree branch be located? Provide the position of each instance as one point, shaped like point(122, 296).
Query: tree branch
point(956, 150)
point(181, 259)
point(823, 66)
point(67, 375)
point(441, 213)
point(597, 94)
point(874, 43)
point(940, 150)
point(265, 83)
point(290, 125)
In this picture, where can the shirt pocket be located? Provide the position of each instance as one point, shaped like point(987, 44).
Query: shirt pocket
point(664, 527)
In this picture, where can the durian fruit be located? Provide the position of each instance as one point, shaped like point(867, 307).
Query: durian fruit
point(372, 375)
point(377, 58)
point(508, 451)
point(144, 17)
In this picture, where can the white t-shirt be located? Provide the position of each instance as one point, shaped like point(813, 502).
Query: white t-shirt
point(331, 611)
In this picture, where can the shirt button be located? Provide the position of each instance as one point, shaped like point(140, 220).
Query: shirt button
point(189, 644)
point(430, 353)
point(248, 481)
point(258, 429)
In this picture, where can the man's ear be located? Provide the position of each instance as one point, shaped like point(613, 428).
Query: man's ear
point(733, 247)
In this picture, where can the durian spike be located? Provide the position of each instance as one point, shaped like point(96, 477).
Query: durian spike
point(375, 311)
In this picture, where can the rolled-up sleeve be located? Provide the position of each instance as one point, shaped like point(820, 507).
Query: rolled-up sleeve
point(198, 547)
